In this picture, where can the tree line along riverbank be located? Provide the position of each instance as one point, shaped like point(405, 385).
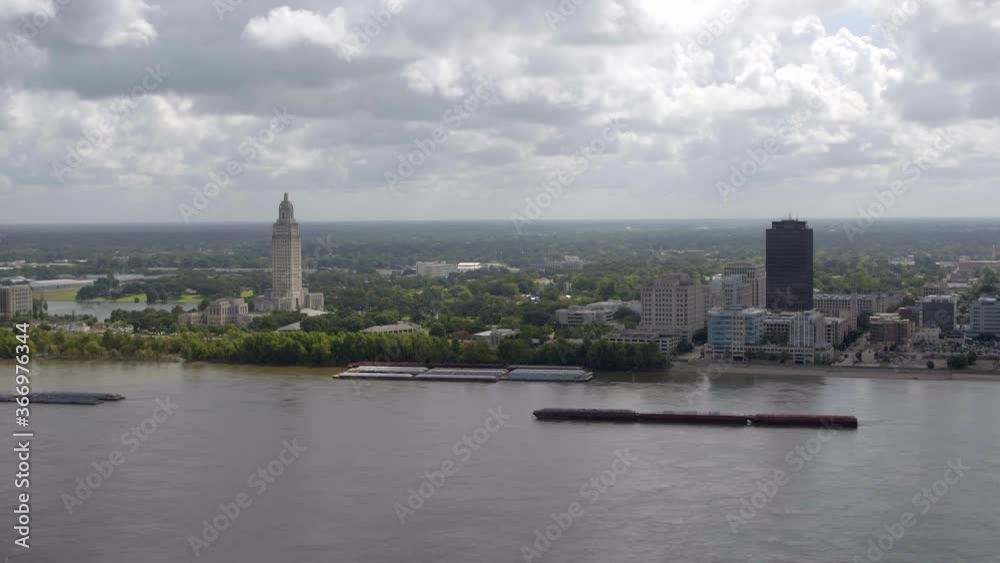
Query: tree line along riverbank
point(325, 349)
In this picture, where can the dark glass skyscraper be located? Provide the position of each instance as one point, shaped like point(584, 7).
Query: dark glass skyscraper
point(789, 266)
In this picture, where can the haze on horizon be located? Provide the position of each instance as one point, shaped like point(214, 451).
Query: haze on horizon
point(123, 110)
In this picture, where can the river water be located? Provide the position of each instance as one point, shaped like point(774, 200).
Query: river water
point(361, 449)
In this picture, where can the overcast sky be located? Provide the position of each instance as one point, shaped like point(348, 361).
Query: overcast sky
point(125, 110)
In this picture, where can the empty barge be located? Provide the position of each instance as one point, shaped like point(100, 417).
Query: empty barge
point(831, 422)
point(57, 398)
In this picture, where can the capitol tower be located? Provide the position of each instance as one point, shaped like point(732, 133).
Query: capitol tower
point(287, 292)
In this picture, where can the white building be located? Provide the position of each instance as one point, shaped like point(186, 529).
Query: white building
point(673, 304)
point(984, 317)
point(807, 329)
point(287, 292)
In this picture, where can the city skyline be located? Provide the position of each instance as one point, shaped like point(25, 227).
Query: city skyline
point(378, 111)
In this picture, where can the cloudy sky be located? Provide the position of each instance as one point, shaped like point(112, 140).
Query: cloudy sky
point(207, 110)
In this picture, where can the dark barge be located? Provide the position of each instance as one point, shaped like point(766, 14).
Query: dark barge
point(831, 422)
point(59, 398)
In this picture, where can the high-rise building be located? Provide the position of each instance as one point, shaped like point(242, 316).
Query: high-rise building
point(790, 266)
point(287, 292)
point(673, 304)
point(753, 275)
point(984, 317)
point(15, 300)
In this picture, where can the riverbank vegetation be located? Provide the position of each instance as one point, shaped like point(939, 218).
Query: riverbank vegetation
point(318, 349)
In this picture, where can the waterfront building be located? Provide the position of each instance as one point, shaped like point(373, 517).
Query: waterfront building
point(675, 305)
point(15, 300)
point(731, 330)
point(889, 329)
point(666, 343)
point(807, 328)
point(287, 292)
point(789, 266)
point(984, 317)
point(939, 311)
point(753, 275)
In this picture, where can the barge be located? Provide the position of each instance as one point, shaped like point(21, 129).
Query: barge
point(479, 373)
point(62, 398)
point(830, 422)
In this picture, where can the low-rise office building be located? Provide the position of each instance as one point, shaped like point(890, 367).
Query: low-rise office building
point(600, 313)
point(731, 330)
point(398, 328)
point(666, 343)
point(435, 269)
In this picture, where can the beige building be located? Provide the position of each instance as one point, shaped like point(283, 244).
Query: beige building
point(673, 304)
point(287, 292)
point(753, 275)
point(889, 329)
point(15, 300)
